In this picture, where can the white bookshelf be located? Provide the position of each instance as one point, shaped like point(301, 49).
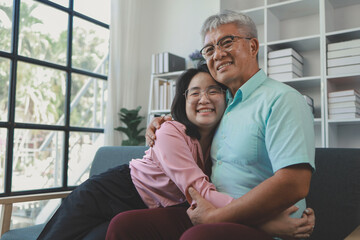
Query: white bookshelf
point(308, 26)
point(155, 79)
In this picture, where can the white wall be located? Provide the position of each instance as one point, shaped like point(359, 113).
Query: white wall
point(172, 26)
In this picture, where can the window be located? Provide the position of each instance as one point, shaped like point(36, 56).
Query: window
point(53, 78)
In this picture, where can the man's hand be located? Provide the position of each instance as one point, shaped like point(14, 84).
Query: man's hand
point(200, 211)
point(153, 126)
point(286, 227)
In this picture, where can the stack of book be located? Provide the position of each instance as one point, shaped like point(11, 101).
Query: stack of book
point(310, 102)
point(344, 104)
point(164, 93)
point(166, 62)
point(343, 57)
point(285, 64)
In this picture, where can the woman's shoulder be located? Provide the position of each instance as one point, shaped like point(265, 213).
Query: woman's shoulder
point(170, 127)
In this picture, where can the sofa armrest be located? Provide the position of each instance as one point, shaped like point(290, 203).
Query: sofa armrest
point(7, 205)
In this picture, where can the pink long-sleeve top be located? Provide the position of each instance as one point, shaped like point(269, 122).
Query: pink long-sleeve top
point(168, 169)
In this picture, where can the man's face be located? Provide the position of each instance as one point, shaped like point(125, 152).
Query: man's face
point(232, 68)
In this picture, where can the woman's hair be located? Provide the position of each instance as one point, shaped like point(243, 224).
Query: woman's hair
point(242, 21)
point(178, 106)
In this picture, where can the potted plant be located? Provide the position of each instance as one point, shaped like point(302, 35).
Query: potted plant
point(196, 58)
point(132, 120)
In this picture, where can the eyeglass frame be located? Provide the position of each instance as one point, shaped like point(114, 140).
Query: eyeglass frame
point(203, 92)
point(232, 37)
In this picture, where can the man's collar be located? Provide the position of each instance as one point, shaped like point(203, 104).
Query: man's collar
point(252, 84)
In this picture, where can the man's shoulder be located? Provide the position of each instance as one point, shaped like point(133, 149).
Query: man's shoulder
point(276, 88)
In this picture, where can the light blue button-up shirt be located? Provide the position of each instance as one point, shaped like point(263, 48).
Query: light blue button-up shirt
point(267, 126)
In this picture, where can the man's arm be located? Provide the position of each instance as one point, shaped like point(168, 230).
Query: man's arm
point(272, 196)
point(153, 126)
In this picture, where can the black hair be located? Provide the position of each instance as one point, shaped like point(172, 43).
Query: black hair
point(178, 106)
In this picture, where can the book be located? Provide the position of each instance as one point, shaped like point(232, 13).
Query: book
point(284, 53)
point(344, 110)
point(344, 104)
point(156, 94)
point(344, 99)
point(336, 62)
point(344, 45)
point(344, 69)
point(283, 61)
point(173, 62)
point(349, 92)
point(283, 76)
point(160, 63)
point(285, 68)
point(344, 116)
point(344, 53)
point(153, 63)
point(161, 97)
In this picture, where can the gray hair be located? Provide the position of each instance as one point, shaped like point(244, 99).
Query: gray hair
point(227, 16)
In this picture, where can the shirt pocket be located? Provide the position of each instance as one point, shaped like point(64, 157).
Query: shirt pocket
point(243, 141)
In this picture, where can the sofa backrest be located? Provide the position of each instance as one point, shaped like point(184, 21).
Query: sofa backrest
point(335, 192)
point(109, 157)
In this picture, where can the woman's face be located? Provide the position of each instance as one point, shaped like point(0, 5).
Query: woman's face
point(205, 101)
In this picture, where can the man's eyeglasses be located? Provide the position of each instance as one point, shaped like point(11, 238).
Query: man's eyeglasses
point(224, 44)
point(195, 94)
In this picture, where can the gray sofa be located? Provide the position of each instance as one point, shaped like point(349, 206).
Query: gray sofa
point(334, 192)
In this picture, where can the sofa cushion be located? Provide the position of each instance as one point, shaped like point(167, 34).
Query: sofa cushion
point(335, 192)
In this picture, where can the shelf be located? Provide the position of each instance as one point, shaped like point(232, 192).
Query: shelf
point(301, 44)
point(241, 5)
point(294, 9)
point(343, 3)
point(305, 82)
point(317, 121)
point(167, 76)
point(355, 121)
point(160, 111)
point(348, 78)
point(343, 35)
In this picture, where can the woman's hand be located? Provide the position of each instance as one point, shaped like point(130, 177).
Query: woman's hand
point(286, 227)
point(153, 126)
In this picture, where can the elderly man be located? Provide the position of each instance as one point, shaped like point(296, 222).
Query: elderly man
point(263, 150)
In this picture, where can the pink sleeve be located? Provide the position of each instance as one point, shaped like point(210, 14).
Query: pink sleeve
point(176, 160)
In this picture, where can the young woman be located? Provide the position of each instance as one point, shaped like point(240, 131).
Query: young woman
point(162, 177)
point(181, 152)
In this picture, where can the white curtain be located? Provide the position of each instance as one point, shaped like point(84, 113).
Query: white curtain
point(123, 64)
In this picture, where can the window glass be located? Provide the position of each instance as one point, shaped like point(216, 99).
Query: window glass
point(88, 101)
point(6, 10)
point(28, 214)
point(38, 159)
point(82, 149)
point(42, 32)
point(40, 94)
point(99, 10)
point(3, 139)
point(4, 89)
point(90, 46)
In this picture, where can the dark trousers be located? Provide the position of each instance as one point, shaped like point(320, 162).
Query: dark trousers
point(172, 223)
point(91, 206)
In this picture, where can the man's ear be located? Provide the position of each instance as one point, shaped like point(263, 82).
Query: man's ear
point(254, 46)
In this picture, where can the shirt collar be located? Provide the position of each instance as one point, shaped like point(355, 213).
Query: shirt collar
point(247, 88)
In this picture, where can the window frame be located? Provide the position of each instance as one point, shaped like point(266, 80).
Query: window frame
point(11, 125)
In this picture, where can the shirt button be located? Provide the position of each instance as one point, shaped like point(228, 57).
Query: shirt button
point(219, 162)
